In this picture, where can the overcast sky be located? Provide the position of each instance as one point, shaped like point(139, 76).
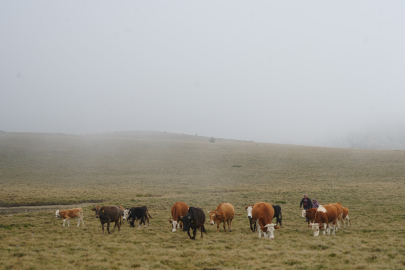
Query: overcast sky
point(269, 71)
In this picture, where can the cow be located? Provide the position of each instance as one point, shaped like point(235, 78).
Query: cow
point(71, 213)
point(125, 214)
point(277, 215)
point(194, 219)
point(249, 215)
point(223, 213)
point(108, 214)
point(345, 215)
point(179, 209)
point(326, 216)
point(263, 214)
point(140, 213)
point(339, 209)
point(309, 214)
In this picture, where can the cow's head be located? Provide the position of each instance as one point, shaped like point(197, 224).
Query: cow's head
point(268, 230)
point(249, 210)
point(57, 213)
point(315, 228)
point(175, 224)
point(187, 223)
point(98, 210)
point(303, 213)
point(213, 216)
point(126, 213)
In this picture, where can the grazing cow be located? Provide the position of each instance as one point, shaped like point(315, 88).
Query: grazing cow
point(345, 215)
point(309, 215)
point(179, 209)
point(140, 213)
point(108, 214)
point(277, 214)
point(263, 214)
point(68, 214)
point(326, 216)
point(194, 219)
point(224, 213)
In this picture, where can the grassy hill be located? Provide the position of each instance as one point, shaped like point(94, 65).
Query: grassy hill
point(157, 169)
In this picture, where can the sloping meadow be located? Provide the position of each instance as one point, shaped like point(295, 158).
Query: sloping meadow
point(158, 169)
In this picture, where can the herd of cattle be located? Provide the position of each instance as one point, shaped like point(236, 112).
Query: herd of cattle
point(193, 218)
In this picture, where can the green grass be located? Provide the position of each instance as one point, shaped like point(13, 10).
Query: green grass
point(158, 169)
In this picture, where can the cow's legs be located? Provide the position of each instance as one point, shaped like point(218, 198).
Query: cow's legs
point(108, 227)
point(64, 222)
point(79, 221)
point(68, 222)
point(258, 228)
point(188, 232)
point(102, 226)
point(348, 221)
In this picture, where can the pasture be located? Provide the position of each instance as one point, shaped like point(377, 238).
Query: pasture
point(158, 169)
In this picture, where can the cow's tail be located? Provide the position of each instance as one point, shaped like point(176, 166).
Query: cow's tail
point(238, 214)
point(281, 218)
point(149, 215)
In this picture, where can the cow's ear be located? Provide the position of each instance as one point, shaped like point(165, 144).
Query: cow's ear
point(246, 207)
point(171, 221)
point(93, 209)
point(276, 227)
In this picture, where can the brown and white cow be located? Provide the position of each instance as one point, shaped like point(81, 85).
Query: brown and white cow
point(224, 213)
point(345, 215)
point(179, 209)
point(71, 213)
point(325, 217)
point(309, 214)
point(263, 214)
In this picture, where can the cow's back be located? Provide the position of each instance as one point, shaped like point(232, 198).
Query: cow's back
point(226, 210)
point(179, 209)
point(113, 213)
point(339, 209)
point(263, 212)
point(331, 212)
point(197, 215)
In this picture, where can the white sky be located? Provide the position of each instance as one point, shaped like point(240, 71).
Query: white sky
point(268, 71)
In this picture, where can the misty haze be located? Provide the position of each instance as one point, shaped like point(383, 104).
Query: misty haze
point(314, 73)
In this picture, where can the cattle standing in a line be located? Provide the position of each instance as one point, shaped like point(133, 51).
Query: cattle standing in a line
point(140, 213)
point(263, 214)
point(345, 215)
point(179, 209)
point(326, 216)
point(309, 214)
point(71, 213)
point(224, 213)
point(194, 219)
point(108, 214)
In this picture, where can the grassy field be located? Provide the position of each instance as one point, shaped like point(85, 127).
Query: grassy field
point(158, 169)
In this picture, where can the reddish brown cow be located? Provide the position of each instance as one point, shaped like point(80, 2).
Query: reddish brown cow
point(309, 215)
point(326, 216)
point(263, 213)
point(179, 209)
point(345, 215)
point(68, 214)
point(224, 213)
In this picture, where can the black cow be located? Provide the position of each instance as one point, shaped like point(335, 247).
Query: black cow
point(277, 215)
point(194, 219)
point(108, 214)
point(138, 213)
